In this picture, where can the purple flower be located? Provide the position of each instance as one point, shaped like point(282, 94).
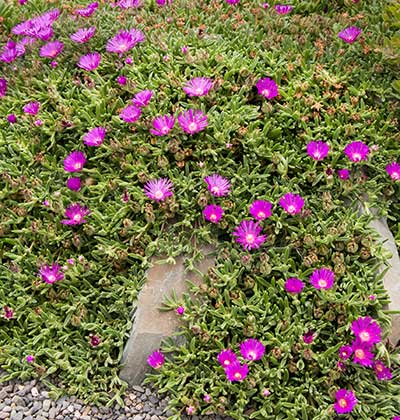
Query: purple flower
point(31, 108)
point(192, 121)
point(356, 151)
point(232, 1)
point(162, 125)
point(267, 88)
point(11, 51)
point(87, 11)
point(308, 337)
point(236, 372)
point(121, 80)
point(344, 173)
point(83, 35)
point(283, 9)
point(89, 61)
point(265, 5)
point(291, 203)
point(217, 185)
point(75, 214)
point(8, 312)
point(124, 41)
point(3, 87)
point(158, 189)
point(51, 274)
point(130, 113)
point(128, 4)
point(95, 136)
point(74, 184)
point(382, 372)
point(213, 213)
point(395, 417)
point(366, 330)
point(207, 398)
point(12, 119)
point(345, 352)
point(38, 122)
point(294, 285)
point(362, 354)
point(163, 2)
point(318, 150)
point(322, 278)
point(198, 86)
point(142, 98)
point(156, 359)
point(74, 162)
point(226, 358)
point(185, 49)
point(180, 310)
point(261, 209)
point(30, 358)
point(393, 169)
point(345, 401)
point(350, 34)
point(252, 349)
point(51, 49)
point(248, 234)
point(94, 340)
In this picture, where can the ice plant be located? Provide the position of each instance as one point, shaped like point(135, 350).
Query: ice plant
point(345, 401)
point(217, 185)
point(267, 88)
point(294, 285)
point(236, 372)
point(356, 151)
point(393, 169)
point(227, 357)
point(31, 108)
point(8, 312)
point(350, 34)
point(322, 278)
point(232, 1)
point(122, 80)
point(51, 49)
point(213, 213)
point(75, 214)
point(261, 209)
point(30, 358)
point(130, 113)
point(345, 352)
point(95, 136)
point(51, 273)
point(11, 51)
point(89, 62)
point(308, 337)
point(158, 189)
point(3, 87)
point(252, 349)
point(156, 359)
point(129, 4)
point(366, 330)
point(362, 353)
point(283, 9)
point(94, 340)
point(83, 35)
point(74, 183)
point(318, 150)
point(142, 98)
point(74, 162)
point(180, 310)
point(198, 86)
point(192, 121)
point(124, 41)
point(382, 372)
point(344, 174)
point(11, 118)
point(87, 11)
point(291, 203)
point(162, 125)
point(248, 234)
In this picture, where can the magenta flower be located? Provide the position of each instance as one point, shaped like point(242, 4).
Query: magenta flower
point(318, 150)
point(142, 98)
point(294, 285)
point(396, 418)
point(180, 310)
point(12, 119)
point(74, 184)
point(158, 189)
point(94, 137)
point(236, 372)
point(156, 359)
point(75, 214)
point(291, 203)
point(345, 401)
point(261, 209)
point(31, 108)
point(322, 278)
point(162, 125)
point(192, 121)
point(122, 80)
point(130, 113)
point(3, 87)
point(83, 35)
point(124, 41)
point(129, 4)
point(8, 312)
point(94, 340)
point(344, 173)
point(393, 169)
point(350, 34)
point(308, 337)
point(89, 61)
point(356, 151)
point(267, 88)
point(87, 11)
point(51, 49)
point(30, 358)
point(213, 213)
point(252, 349)
point(11, 51)
point(198, 86)
point(74, 162)
point(283, 9)
point(345, 352)
point(362, 354)
point(265, 5)
point(217, 185)
point(248, 234)
point(232, 1)
point(226, 358)
point(382, 372)
point(366, 330)
point(51, 274)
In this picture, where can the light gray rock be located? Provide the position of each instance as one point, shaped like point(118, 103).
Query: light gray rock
point(15, 415)
point(46, 405)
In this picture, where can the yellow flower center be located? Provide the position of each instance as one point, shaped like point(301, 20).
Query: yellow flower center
point(342, 403)
point(360, 354)
point(77, 217)
point(261, 215)
point(365, 336)
point(159, 194)
point(250, 238)
point(192, 126)
point(238, 375)
point(322, 283)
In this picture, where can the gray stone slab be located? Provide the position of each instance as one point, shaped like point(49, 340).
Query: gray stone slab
point(150, 325)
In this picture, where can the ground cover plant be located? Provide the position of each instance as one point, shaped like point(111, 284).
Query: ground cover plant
point(132, 128)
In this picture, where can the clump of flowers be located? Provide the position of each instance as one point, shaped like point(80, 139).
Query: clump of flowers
point(248, 235)
point(142, 98)
point(382, 372)
point(227, 357)
point(87, 11)
point(236, 372)
point(158, 189)
point(366, 330)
